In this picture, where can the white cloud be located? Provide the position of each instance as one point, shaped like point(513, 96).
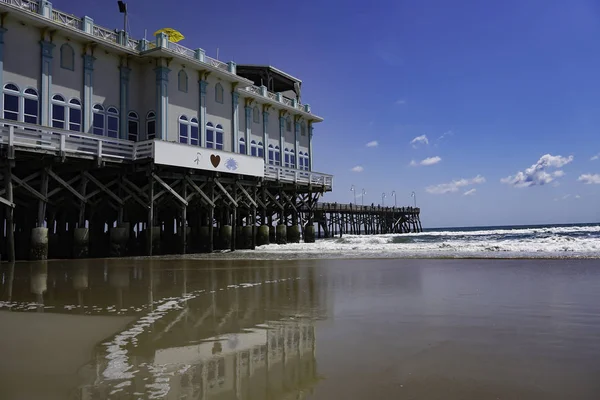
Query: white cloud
point(447, 133)
point(400, 102)
point(373, 143)
point(577, 196)
point(358, 168)
point(470, 192)
point(453, 186)
point(590, 179)
point(426, 162)
point(536, 174)
point(431, 160)
point(419, 140)
point(596, 157)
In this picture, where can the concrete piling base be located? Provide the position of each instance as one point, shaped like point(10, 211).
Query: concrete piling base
point(309, 233)
point(225, 237)
point(204, 238)
point(293, 234)
point(39, 244)
point(119, 237)
point(81, 242)
point(271, 234)
point(281, 234)
point(247, 237)
point(262, 236)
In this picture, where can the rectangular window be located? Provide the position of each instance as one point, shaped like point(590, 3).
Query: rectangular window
point(132, 130)
point(219, 145)
point(31, 111)
point(261, 152)
point(113, 126)
point(151, 129)
point(11, 107)
point(58, 116)
point(287, 159)
point(195, 137)
point(210, 139)
point(242, 148)
point(271, 157)
point(183, 133)
point(98, 124)
point(75, 119)
point(293, 161)
point(253, 150)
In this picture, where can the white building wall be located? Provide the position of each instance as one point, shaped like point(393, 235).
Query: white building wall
point(64, 81)
point(106, 79)
point(218, 113)
point(181, 103)
point(22, 54)
point(134, 89)
point(257, 128)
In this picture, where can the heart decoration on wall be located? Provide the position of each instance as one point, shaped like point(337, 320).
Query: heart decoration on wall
point(215, 160)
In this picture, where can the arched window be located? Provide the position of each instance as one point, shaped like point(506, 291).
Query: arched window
point(219, 93)
point(286, 157)
point(242, 142)
point(151, 125)
point(301, 160)
point(112, 122)
point(306, 162)
point(210, 135)
point(271, 155)
point(256, 115)
point(261, 150)
point(30, 106)
point(59, 115)
point(253, 149)
point(182, 81)
point(288, 124)
point(74, 115)
point(184, 127)
point(292, 159)
point(303, 129)
point(98, 120)
point(277, 156)
point(67, 57)
point(133, 126)
point(194, 132)
point(11, 102)
point(219, 137)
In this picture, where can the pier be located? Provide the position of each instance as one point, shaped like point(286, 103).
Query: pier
point(334, 218)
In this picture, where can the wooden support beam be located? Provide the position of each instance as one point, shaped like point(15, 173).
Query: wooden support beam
point(287, 199)
point(274, 199)
point(243, 190)
point(95, 192)
point(10, 232)
point(70, 182)
point(133, 196)
point(65, 184)
point(170, 189)
point(24, 184)
point(150, 223)
point(7, 203)
point(141, 193)
point(199, 191)
point(104, 187)
point(220, 186)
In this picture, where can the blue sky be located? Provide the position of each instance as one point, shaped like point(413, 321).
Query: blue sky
point(504, 83)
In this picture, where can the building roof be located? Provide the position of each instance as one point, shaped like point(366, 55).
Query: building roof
point(274, 79)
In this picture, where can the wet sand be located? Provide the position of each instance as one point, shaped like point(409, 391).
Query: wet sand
point(314, 329)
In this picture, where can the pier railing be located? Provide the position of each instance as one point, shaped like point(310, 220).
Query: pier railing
point(19, 136)
point(354, 208)
point(291, 175)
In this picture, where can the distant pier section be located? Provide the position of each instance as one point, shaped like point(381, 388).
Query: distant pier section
point(334, 218)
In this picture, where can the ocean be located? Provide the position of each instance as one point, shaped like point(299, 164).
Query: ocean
point(535, 241)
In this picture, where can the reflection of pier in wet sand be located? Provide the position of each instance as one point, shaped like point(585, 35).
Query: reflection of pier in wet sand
point(193, 333)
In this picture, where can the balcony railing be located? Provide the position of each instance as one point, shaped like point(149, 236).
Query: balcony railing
point(262, 91)
point(66, 19)
point(290, 175)
point(18, 136)
point(27, 5)
point(337, 207)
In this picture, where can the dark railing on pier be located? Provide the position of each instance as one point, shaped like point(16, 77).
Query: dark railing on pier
point(335, 218)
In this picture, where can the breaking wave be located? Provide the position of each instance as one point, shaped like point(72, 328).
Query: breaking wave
point(534, 242)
